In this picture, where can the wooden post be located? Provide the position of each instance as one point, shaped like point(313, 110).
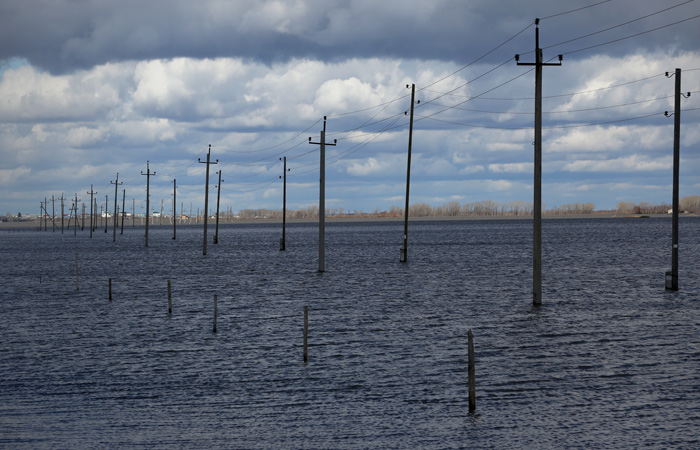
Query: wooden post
point(306, 333)
point(472, 382)
point(77, 276)
point(215, 301)
point(110, 289)
point(170, 300)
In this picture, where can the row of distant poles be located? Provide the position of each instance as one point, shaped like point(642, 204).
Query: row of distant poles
point(671, 276)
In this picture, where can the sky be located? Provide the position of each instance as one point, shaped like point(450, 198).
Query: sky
point(91, 89)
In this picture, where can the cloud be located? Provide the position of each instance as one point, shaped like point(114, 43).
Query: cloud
point(632, 163)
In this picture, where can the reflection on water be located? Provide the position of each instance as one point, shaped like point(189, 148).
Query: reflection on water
point(610, 360)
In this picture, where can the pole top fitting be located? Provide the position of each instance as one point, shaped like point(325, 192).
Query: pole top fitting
point(517, 57)
point(537, 21)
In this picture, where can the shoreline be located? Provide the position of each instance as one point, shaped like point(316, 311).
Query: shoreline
point(29, 224)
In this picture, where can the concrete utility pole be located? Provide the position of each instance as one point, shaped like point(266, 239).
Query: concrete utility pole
point(148, 175)
point(133, 212)
point(404, 249)
point(283, 241)
point(75, 227)
point(123, 210)
point(94, 225)
point(42, 211)
point(116, 217)
point(537, 202)
point(672, 277)
point(62, 211)
point(174, 208)
point(92, 214)
point(218, 199)
point(106, 211)
point(53, 214)
point(322, 199)
point(206, 196)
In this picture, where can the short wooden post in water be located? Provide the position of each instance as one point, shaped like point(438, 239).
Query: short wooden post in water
point(472, 382)
point(306, 333)
point(77, 277)
point(110, 289)
point(170, 301)
point(215, 301)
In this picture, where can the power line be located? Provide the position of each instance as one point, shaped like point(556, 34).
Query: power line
point(575, 10)
point(631, 36)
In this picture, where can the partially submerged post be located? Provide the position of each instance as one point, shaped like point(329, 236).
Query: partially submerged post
point(471, 370)
point(170, 300)
point(110, 289)
point(215, 302)
point(306, 333)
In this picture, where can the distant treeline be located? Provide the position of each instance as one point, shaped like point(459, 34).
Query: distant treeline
point(451, 209)
point(689, 204)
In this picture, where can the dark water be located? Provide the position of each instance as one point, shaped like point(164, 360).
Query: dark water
point(611, 359)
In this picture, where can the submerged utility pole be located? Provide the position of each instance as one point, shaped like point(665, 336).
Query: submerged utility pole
point(174, 208)
point(537, 201)
point(206, 196)
point(404, 249)
point(322, 199)
point(116, 217)
point(148, 175)
point(53, 215)
point(123, 210)
point(92, 193)
point(283, 241)
point(218, 199)
point(106, 210)
point(62, 211)
point(672, 277)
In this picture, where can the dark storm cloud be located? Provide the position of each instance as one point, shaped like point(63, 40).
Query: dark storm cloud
point(60, 36)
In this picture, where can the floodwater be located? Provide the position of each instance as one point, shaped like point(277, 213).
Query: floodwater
point(610, 360)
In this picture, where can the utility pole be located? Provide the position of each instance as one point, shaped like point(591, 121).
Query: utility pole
point(53, 214)
point(218, 199)
point(133, 212)
point(174, 208)
point(283, 241)
point(82, 226)
point(106, 211)
point(123, 210)
point(94, 223)
point(62, 211)
point(160, 221)
point(206, 196)
point(92, 193)
point(116, 217)
point(537, 202)
point(75, 227)
point(404, 249)
point(672, 277)
point(322, 199)
point(148, 189)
